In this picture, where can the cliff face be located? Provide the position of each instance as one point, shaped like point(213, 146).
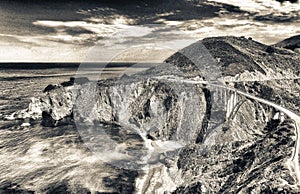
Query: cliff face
point(147, 105)
point(152, 104)
point(228, 142)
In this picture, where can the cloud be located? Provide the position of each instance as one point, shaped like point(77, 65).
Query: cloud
point(88, 33)
point(9, 40)
point(111, 29)
point(260, 6)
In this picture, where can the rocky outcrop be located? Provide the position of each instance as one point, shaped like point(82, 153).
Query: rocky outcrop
point(230, 143)
point(56, 104)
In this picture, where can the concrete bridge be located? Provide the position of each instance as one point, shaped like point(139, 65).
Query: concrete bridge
point(234, 104)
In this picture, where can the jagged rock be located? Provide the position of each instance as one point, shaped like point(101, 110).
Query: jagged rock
point(232, 144)
point(49, 88)
point(56, 104)
point(77, 80)
point(191, 189)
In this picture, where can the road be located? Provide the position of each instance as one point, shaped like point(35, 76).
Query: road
point(293, 162)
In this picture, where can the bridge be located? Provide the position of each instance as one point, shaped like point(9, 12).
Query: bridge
point(293, 162)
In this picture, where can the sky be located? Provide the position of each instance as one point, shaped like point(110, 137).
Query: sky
point(89, 31)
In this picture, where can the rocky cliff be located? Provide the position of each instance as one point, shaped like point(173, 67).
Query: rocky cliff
point(221, 141)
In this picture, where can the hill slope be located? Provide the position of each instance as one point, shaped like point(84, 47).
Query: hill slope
point(203, 138)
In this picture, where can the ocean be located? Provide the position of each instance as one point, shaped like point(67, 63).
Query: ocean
point(44, 159)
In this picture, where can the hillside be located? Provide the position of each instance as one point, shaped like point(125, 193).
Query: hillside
point(194, 124)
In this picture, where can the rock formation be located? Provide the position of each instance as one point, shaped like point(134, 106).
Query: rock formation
point(226, 142)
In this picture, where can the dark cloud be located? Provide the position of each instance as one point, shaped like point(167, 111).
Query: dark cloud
point(74, 31)
point(290, 17)
point(80, 24)
point(292, 1)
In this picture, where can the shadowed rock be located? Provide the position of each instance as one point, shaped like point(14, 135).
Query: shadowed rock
point(77, 80)
point(49, 88)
